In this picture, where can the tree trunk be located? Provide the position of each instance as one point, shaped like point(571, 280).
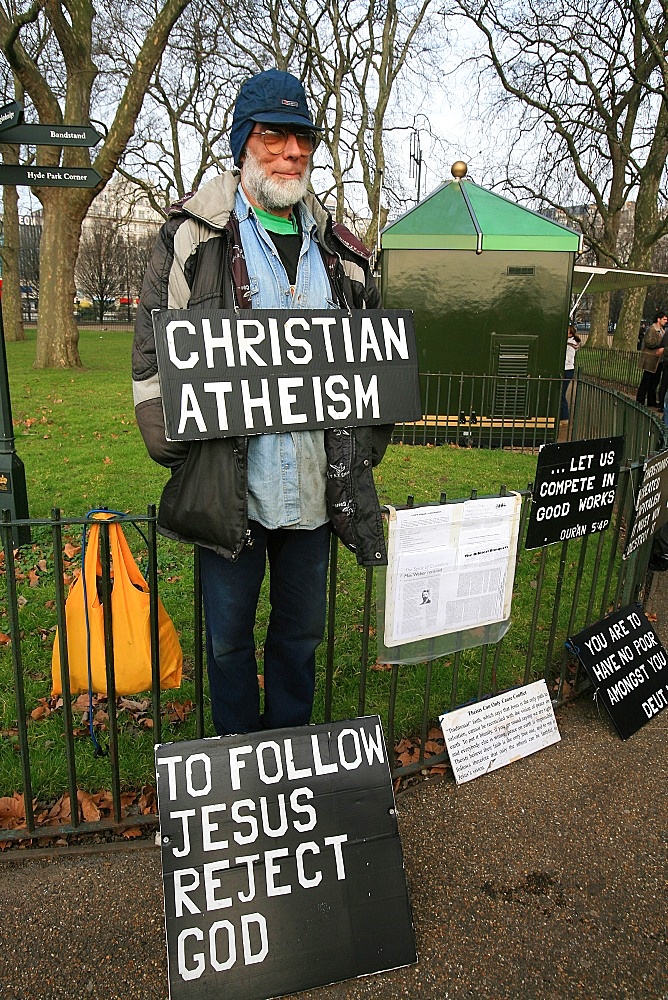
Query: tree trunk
point(626, 334)
point(57, 333)
point(12, 317)
point(599, 316)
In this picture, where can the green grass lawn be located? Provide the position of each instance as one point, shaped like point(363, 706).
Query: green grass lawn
point(76, 434)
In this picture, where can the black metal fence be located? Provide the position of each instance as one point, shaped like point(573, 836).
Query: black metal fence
point(485, 411)
point(558, 590)
point(618, 368)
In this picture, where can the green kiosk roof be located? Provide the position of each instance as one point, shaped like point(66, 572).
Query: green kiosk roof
point(460, 215)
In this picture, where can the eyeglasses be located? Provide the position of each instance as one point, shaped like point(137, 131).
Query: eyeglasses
point(276, 139)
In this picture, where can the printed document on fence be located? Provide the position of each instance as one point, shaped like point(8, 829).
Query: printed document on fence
point(450, 567)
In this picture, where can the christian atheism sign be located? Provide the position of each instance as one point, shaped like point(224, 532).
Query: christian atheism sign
point(263, 371)
point(574, 490)
point(652, 504)
point(282, 865)
point(627, 665)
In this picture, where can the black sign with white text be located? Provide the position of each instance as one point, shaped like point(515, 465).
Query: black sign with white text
point(10, 115)
point(574, 490)
point(263, 371)
point(627, 665)
point(282, 864)
point(85, 177)
point(651, 509)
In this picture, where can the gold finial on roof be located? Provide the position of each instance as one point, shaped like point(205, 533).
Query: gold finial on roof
point(459, 169)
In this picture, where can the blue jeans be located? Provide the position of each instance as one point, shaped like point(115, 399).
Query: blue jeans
point(566, 381)
point(298, 561)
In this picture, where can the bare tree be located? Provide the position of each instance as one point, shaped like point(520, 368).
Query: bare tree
point(357, 60)
point(188, 107)
point(354, 59)
point(72, 77)
point(100, 267)
point(591, 124)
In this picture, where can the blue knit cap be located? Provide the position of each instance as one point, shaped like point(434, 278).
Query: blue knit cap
point(273, 97)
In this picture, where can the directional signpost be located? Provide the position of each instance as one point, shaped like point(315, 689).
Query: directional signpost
point(13, 493)
point(48, 176)
point(10, 115)
point(51, 135)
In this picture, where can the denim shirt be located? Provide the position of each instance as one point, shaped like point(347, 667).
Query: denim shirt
point(287, 471)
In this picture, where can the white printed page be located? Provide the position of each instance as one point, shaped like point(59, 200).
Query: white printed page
point(450, 567)
point(490, 734)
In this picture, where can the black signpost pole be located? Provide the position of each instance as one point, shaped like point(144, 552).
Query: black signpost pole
point(13, 492)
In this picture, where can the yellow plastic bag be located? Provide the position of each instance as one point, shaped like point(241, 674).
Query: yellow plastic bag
point(130, 626)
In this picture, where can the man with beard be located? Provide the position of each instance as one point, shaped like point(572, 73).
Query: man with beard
point(258, 238)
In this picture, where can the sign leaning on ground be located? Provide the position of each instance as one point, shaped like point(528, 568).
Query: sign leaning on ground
point(224, 373)
point(651, 511)
point(282, 865)
point(627, 665)
point(574, 490)
point(490, 734)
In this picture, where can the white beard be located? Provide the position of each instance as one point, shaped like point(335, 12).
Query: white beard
point(271, 194)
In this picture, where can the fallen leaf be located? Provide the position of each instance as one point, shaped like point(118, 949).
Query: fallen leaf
point(89, 809)
point(132, 832)
point(12, 811)
point(134, 706)
point(381, 666)
point(5, 639)
point(148, 802)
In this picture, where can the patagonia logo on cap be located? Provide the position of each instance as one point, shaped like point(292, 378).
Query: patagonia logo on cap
point(290, 104)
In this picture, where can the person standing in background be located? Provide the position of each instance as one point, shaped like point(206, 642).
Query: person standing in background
point(572, 344)
point(663, 376)
point(650, 361)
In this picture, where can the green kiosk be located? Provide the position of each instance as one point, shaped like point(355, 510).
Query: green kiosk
point(489, 283)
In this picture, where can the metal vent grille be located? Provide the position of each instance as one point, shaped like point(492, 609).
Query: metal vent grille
point(516, 270)
point(510, 396)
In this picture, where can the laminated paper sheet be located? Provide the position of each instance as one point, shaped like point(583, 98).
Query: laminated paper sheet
point(450, 567)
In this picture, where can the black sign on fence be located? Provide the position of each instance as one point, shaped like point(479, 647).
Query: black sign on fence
point(282, 865)
point(627, 665)
point(224, 373)
point(651, 511)
point(574, 490)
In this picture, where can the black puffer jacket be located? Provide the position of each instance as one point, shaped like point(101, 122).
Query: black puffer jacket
point(198, 262)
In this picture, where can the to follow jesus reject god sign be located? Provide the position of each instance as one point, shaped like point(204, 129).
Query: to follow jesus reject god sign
point(263, 371)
